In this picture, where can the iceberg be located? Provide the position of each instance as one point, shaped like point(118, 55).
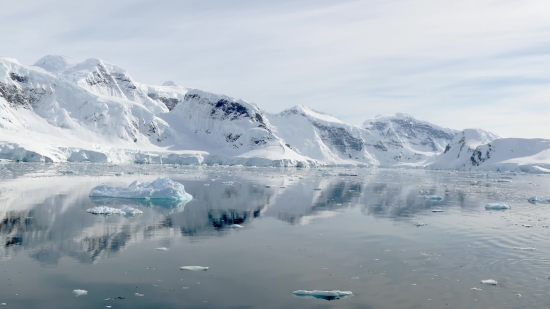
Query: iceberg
point(162, 188)
point(327, 295)
point(497, 206)
point(194, 268)
point(104, 210)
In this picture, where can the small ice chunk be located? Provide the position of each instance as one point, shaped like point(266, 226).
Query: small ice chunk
point(497, 206)
point(526, 249)
point(161, 188)
point(437, 210)
point(526, 225)
point(78, 292)
point(317, 189)
point(538, 198)
point(194, 268)
point(139, 295)
point(230, 183)
point(131, 211)
point(476, 289)
point(489, 282)
point(420, 224)
point(3, 304)
point(162, 249)
point(433, 197)
point(328, 295)
point(236, 226)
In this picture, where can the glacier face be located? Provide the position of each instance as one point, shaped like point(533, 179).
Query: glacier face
point(61, 110)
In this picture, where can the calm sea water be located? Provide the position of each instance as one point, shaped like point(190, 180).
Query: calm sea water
point(311, 229)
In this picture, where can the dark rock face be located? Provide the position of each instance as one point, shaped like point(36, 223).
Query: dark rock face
point(169, 102)
point(477, 156)
point(18, 78)
point(416, 133)
point(231, 110)
point(21, 97)
point(225, 109)
point(102, 77)
point(340, 138)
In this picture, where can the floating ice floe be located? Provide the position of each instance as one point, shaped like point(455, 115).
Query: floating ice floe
point(497, 206)
point(161, 188)
point(104, 210)
point(489, 282)
point(475, 289)
point(328, 295)
point(162, 249)
point(537, 198)
point(139, 295)
point(80, 292)
point(437, 210)
point(433, 197)
point(525, 249)
point(3, 304)
point(236, 226)
point(194, 268)
point(526, 225)
point(420, 224)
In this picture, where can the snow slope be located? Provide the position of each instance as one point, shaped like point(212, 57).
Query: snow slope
point(475, 149)
point(384, 141)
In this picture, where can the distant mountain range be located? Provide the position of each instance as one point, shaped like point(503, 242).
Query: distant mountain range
point(60, 110)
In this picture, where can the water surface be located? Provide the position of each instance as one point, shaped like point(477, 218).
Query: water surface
point(357, 233)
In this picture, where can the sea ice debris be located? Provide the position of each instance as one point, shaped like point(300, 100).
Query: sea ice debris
point(433, 197)
point(437, 210)
point(420, 224)
point(489, 282)
point(328, 295)
point(162, 249)
point(78, 292)
point(104, 210)
point(526, 249)
point(236, 226)
point(161, 188)
point(194, 268)
point(497, 206)
point(538, 198)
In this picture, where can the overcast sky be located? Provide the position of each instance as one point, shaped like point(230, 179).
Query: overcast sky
point(462, 64)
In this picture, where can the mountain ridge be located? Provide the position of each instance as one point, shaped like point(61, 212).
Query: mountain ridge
point(63, 110)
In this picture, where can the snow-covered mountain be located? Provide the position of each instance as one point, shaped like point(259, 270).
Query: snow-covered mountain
point(61, 110)
point(475, 149)
point(403, 140)
point(384, 141)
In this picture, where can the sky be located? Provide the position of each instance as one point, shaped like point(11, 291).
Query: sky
point(461, 64)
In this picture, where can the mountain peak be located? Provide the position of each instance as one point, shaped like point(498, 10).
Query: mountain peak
point(169, 84)
point(55, 63)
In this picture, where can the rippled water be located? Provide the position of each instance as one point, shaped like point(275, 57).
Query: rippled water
point(357, 233)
